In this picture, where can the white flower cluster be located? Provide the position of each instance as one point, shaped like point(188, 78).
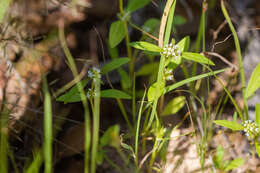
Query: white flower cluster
point(171, 50)
point(168, 74)
point(94, 73)
point(251, 129)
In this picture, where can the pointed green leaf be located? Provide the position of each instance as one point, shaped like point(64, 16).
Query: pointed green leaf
point(148, 69)
point(197, 58)
point(4, 4)
point(134, 5)
point(174, 105)
point(179, 20)
point(254, 82)
point(168, 28)
point(257, 114)
point(146, 46)
point(186, 81)
point(218, 158)
point(234, 164)
point(72, 95)
point(114, 64)
point(257, 147)
point(116, 33)
point(111, 137)
point(229, 124)
point(184, 44)
point(155, 91)
point(113, 93)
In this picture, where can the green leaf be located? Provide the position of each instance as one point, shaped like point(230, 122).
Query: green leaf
point(234, 164)
point(111, 137)
point(218, 158)
point(257, 147)
point(72, 95)
point(113, 93)
point(114, 64)
point(257, 114)
point(254, 82)
point(155, 91)
point(184, 44)
point(151, 24)
point(125, 79)
point(146, 46)
point(148, 69)
point(197, 58)
point(183, 82)
point(168, 28)
point(174, 105)
point(229, 124)
point(4, 4)
point(116, 33)
point(134, 5)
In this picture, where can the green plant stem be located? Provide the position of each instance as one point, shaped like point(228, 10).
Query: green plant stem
point(240, 60)
point(96, 119)
point(73, 68)
point(122, 109)
point(47, 128)
point(138, 127)
point(133, 102)
point(127, 40)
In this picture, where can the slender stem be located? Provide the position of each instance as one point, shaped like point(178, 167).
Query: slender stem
point(47, 128)
point(238, 50)
point(127, 40)
point(138, 127)
point(96, 119)
point(73, 68)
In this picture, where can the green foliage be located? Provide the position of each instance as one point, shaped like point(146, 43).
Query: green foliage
point(113, 93)
point(4, 5)
point(148, 69)
point(134, 5)
point(151, 24)
point(196, 57)
point(146, 46)
point(225, 166)
point(116, 33)
point(229, 124)
point(254, 82)
point(111, 137)
point(72, 95)
point(114, 64)
point(257, 114)
point(155, 91)
point(174, 105)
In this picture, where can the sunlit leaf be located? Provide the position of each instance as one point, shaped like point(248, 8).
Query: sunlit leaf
point(184, 44)
point(186, 81)
point(146, 46)
point(4, 4)
point(257, 147)
point(196, 57)
point(218, 158)
point(116, 33)
point(113, 93)
point(114, 64)
point(155, 91)
point(229, 124)
point(174, 105)
point(234, 164)
point(257, 114)
point(254, 82)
